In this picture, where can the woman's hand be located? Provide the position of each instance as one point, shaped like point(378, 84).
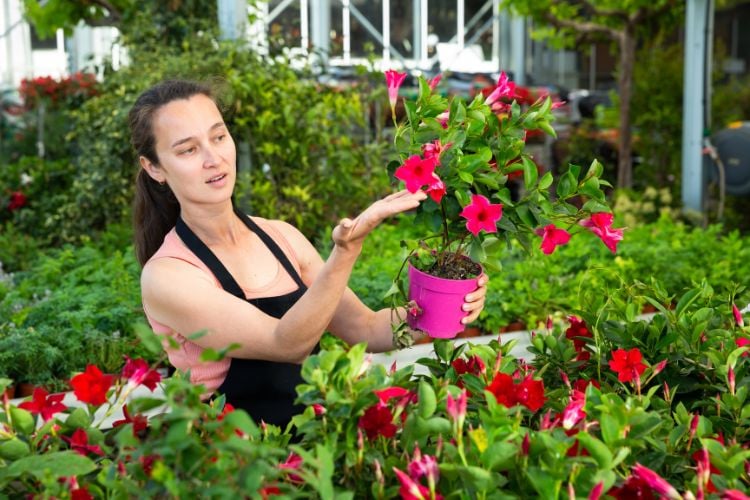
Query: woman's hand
point(475, 300)
point(349, 234)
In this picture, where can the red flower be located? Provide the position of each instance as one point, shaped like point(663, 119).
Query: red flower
point(581, 384)
point(627, 364)
point(91, 386)
point(80, 494)
point(147, 462)
point(474, 365)
point(137, 372)
point(385, 395)
point(434, 149)
point(742, 342)
point(552, 237)
point(228, 408)
point(140, 423)
point(79, 442)
point(601, 225)
point(377, 421)
point(319, 409)
point(44, 405)
point(481, 214)
point(417, 172)
point(576, 332)
point(503, 389)
point(530, 393)
point(17, 200)
point(633, 489)
point(269, 491)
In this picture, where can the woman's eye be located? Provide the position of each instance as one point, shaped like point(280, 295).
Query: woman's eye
point(186, 151)
point(220, 138)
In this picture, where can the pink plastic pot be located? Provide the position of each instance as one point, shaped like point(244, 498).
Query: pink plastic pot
point(439, 301)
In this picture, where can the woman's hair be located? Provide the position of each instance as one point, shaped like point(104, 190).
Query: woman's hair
point(155, 208)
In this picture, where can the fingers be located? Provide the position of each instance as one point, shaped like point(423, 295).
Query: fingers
point(473, 308)
point(481, 290)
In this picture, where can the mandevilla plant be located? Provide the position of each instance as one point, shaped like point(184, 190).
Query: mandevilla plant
point(463, 155)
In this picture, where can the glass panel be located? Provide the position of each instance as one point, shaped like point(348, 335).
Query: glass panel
point(284, 29)
point(363, 43)
point(402, 27)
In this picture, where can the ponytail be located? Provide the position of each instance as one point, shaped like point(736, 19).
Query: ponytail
point(155, 208)
point(155, 212)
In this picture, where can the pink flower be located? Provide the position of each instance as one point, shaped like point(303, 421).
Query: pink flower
point(433, 82)
point(738, 316)
point(412, 490)
point(525, 445)
point(436, 190)
point(138, 372)
point(731, 381)
point(655, 482)
point(319, 409)
point(389, 393)
point(443, 119)
point(734, 495)
point(293, 463)
point(481, 214)
point(417, 172)
point(552, 237)
point(456, 407)
point(504, 88)
point(573, 413)
point(601, 225)
point(424, 465)
point(43, 404)
point(393, 79)
point(434, 149)
point(660, 367)
point(596, 492)
point(627, 364)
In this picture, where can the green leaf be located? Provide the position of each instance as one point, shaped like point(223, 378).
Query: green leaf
point(530, 172)
point(595, 169)
point(78, 419)
point(57, 464)
point(687, 299)
point(566, 185)
point(598, 450)
point(595, 206)
point(427, 400)
point(23, 421)
point(466, 177)
point(591, 189)
point(148, 338)
point(546, 181)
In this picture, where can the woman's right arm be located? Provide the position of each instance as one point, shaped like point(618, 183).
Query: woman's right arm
point(184, 298)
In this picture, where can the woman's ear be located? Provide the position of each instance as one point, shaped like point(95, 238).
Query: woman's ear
point(152, 170)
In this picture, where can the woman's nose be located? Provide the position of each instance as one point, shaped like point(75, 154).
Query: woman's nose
point(210, 156)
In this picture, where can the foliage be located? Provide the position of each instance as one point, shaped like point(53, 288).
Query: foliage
point(532, 289)
point(470, 153)
point(580, 420)
point(71, 307)
point(172, 19)
point(569, 22)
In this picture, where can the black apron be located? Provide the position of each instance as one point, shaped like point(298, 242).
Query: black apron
point(265, 389)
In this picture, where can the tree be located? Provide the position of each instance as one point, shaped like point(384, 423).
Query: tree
point(622, 22)
point(171, 20)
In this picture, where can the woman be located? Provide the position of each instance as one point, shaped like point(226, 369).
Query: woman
point(243, 280)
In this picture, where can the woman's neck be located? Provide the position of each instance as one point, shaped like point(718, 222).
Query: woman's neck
point(219, 226)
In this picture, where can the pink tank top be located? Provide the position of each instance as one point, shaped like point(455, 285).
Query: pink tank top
point(187, 355)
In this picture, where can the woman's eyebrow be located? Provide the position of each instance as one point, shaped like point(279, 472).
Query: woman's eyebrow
point(186, 139)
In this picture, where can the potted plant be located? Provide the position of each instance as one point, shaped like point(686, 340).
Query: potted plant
point(467, 157)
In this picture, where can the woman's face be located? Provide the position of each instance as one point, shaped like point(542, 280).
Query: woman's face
point(197, 156)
